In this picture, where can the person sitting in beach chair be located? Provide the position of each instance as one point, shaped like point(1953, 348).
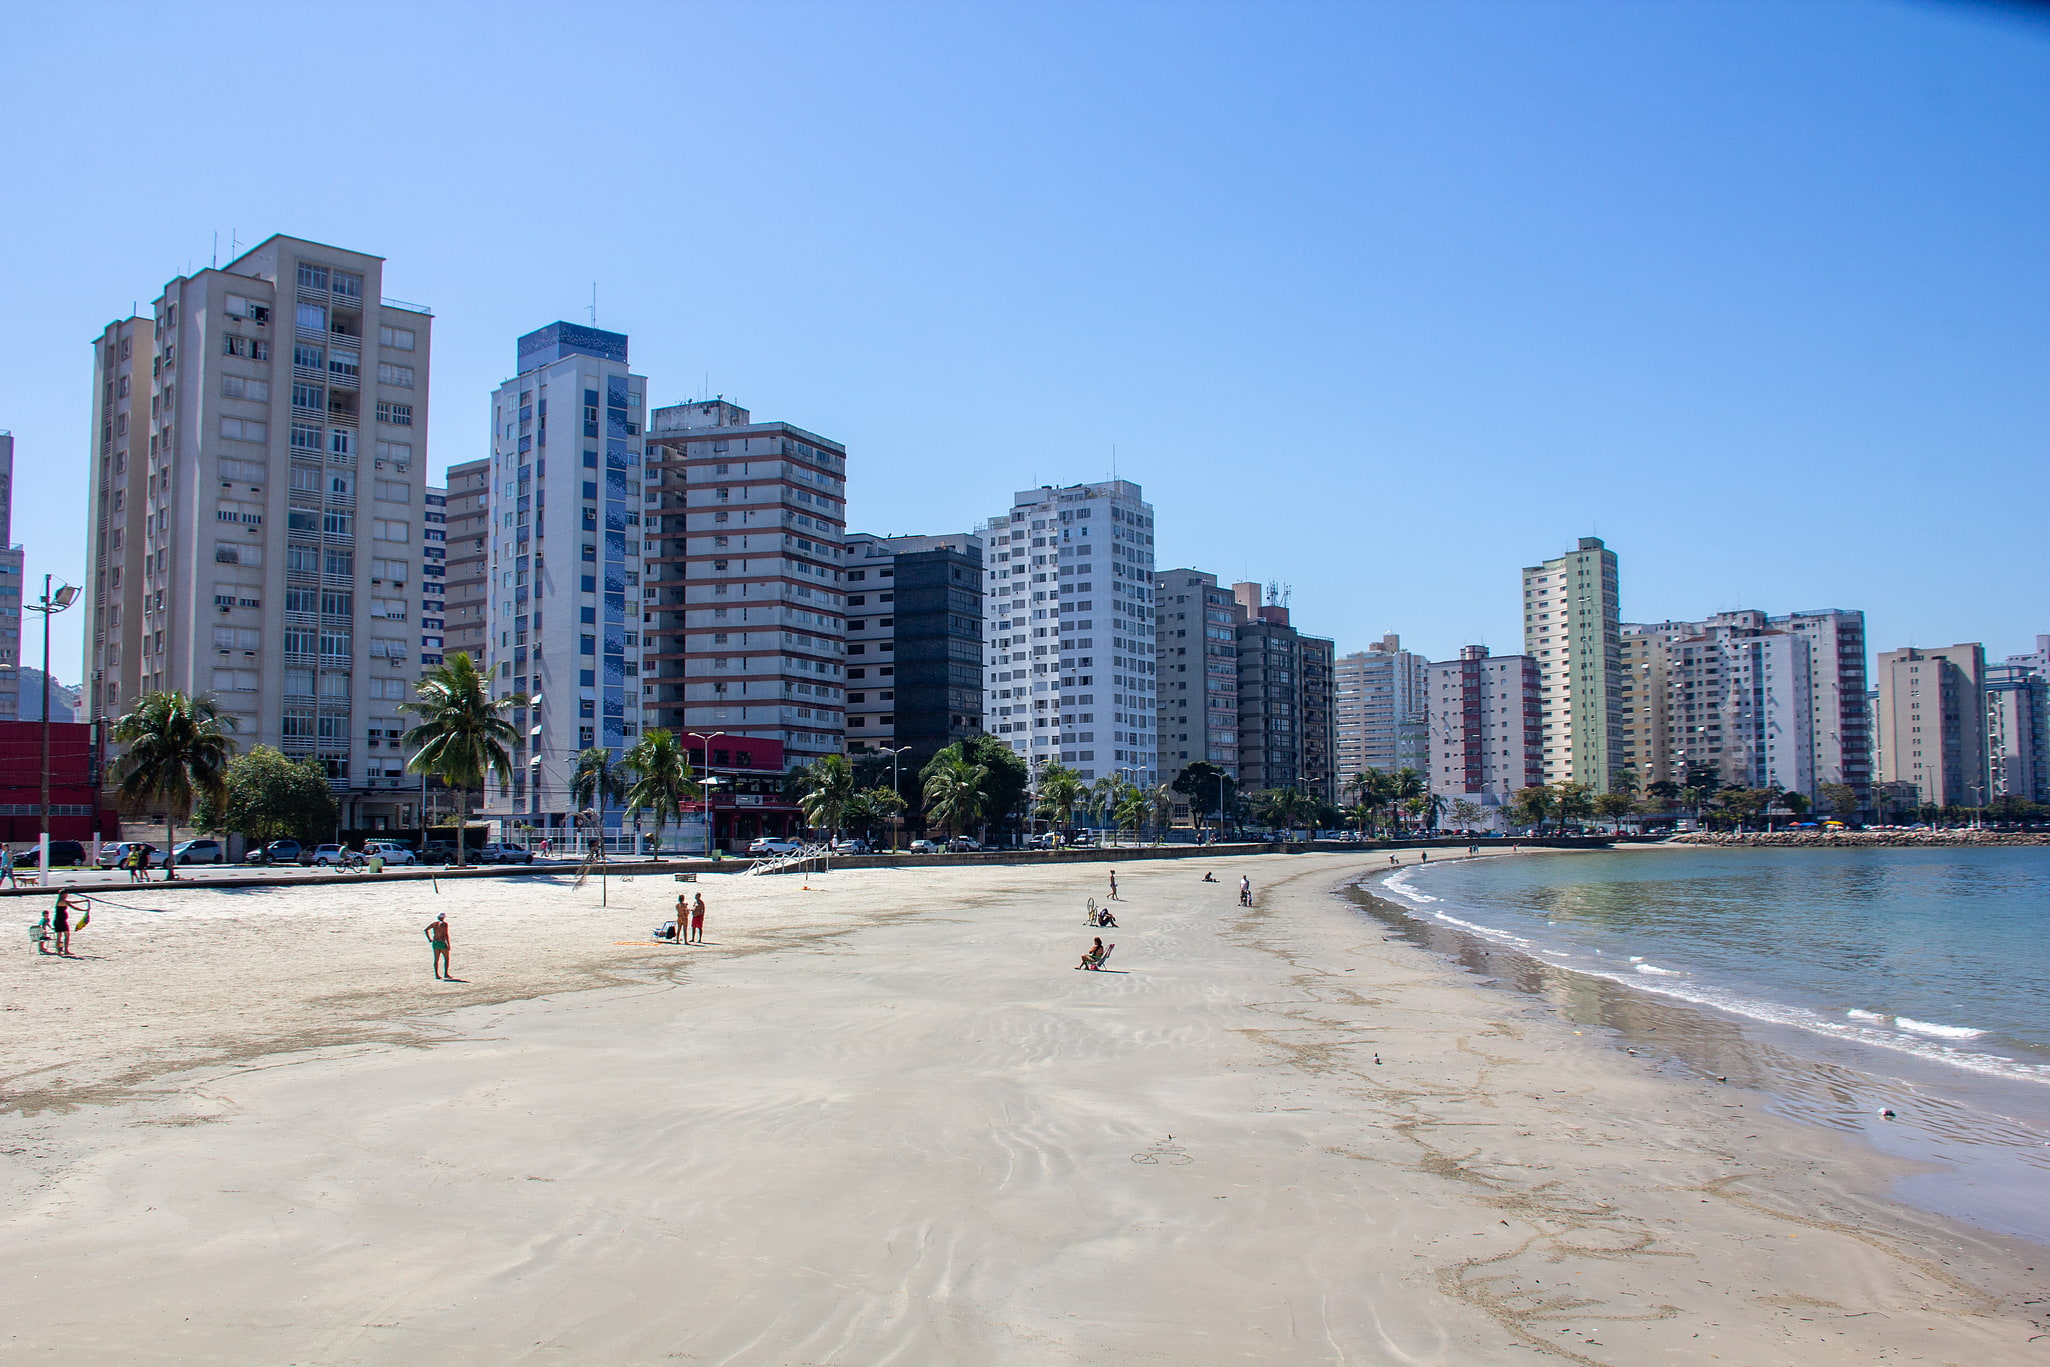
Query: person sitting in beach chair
point(1093, 960)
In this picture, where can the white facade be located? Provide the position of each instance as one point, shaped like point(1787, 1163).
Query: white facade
point(1572, 628)
point(1070, 602)
point(259, 458)
point(13, 589)
point(564, 578)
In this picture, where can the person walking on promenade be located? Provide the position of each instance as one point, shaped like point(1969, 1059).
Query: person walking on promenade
point(697, 920)
point(437, 936)
point(1245, 890)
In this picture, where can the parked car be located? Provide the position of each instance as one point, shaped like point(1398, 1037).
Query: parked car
point(1045, 840)
point(115, 856)
point(277, 852)
point(505, 854)
point(439, 852)
point(199, 852)
point(392, 850)
point(926, 847)
point(965, 844)
point(64, 854)
point(775, 844)
point(852, 844)
point(322, 856)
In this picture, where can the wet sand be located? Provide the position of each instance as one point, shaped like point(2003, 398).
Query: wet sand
point(884, 1121)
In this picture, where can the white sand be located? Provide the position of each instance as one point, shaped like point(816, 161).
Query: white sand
point(884, 1122)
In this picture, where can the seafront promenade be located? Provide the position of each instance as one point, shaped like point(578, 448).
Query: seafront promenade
point(879, 1116)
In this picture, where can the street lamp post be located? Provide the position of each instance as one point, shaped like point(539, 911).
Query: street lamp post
point(894, 818)
point(710, 783)
point(63, 598)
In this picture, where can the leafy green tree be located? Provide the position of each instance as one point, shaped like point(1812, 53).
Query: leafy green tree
point(1572, 802)
point(1842, 800)
point(1208, 787)
point(463, 734)
point(1533, 805)
point(1664, 791)
point(1613, 807)
point(828, 784)
point(271, 796)
point(177, 749)
point(662, 777)
point(1468, 814)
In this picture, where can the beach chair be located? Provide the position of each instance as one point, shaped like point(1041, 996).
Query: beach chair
point(1093, 961)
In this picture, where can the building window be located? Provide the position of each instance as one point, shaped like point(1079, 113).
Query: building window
point(399, 339)
point(400, 375)
point(397, 414)
point(312, 317)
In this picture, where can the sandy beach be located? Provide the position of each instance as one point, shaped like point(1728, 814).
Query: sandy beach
point(883, 1120)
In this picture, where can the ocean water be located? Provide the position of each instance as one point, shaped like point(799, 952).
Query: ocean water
point(1848, 983)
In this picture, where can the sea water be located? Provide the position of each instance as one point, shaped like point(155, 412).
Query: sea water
point(1915, 981)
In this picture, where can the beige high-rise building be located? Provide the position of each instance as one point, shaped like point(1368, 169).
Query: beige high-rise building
point(1572, 626)
point(469, 558)
point(258, 472)
point(1932, 723)
point(1382, 709)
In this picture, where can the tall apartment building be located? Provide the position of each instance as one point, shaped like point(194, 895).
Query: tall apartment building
point(259, 460)
point(2018, 731)
point(433, 576)
point(1688, 699)
point(469, 558)
point(1486, 730)
point(1572, 622)
point(1319, 771)
point(117, 509)
point(1070, 597)
point(563, 621)
point(1383, 709)
point(13, 588)
point(1931, 721)
point(914, 617)
point(1287, 710)
point(746, 602)
point(2037, 661)
point(1197, 690)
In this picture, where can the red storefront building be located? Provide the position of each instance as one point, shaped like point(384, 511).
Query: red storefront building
point(76, 809)
point(748, 789)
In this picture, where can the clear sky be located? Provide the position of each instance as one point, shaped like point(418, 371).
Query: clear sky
point(1380, 301)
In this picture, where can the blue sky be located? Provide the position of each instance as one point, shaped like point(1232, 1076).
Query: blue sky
point(1380, 301)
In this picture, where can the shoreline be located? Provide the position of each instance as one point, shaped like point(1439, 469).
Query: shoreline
point(883, 1120)
point(1900, 1104)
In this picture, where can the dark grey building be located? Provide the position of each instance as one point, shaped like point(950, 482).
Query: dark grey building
point(1288, 734)
point(914, 643)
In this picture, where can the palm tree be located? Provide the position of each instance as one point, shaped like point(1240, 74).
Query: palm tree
point(177, 749)
point(595, 780)
point(1104, 796)
point(1404, 786)
point(1360, 814)
point(662, 777)
point(1131, 810)
point(463, 733)
point(828, 783)
point(1162, 802)
point(1061, 790)
point(953, 794)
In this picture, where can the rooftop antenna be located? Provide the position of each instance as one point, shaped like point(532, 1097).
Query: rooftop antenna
point(234, 244)
point(1113, 462)
point(215, 261)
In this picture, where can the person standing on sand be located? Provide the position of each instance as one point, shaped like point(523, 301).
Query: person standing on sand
point(60, 922)
point(697, 920)
point(437, 936)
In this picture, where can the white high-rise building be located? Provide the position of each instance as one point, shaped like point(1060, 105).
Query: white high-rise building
point(1486, 745)
point(258, 465)
point(1572, 628)
point(563, 584)
point(1070, 605)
